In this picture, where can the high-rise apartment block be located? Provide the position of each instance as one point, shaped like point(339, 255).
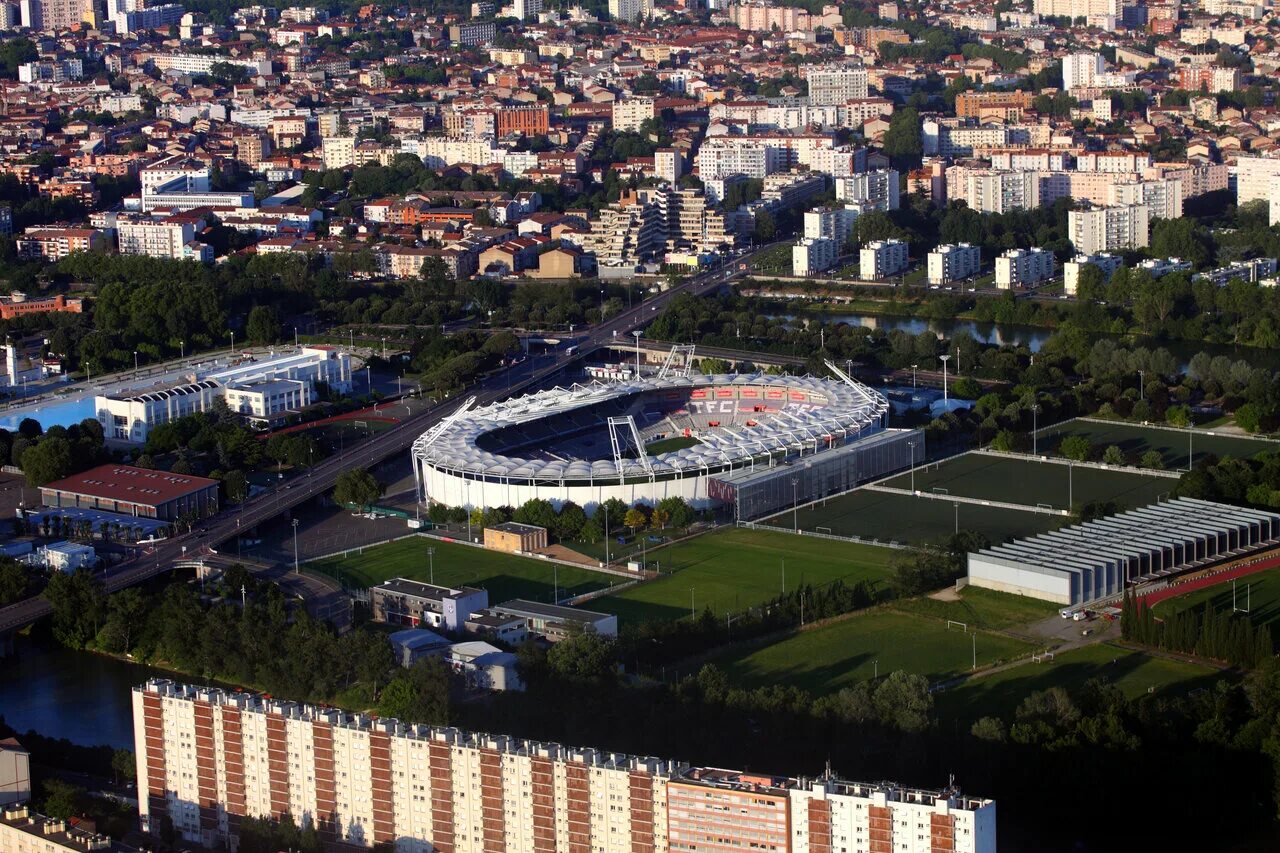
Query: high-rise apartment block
point(953, 263)
point(1080, 69)
point(883, 258)
point(880, 189)
point(837, 85)
point(631, 113)
point(813, 255)
point(1109, 229)
point(630, 10)
point(1024, 267)
point(208, 758)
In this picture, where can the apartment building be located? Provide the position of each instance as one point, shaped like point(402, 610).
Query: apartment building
point(207, 758)
point(878, 189)
point(1071, 269)
point(632, 113)
point(1081, 69)
point(47, 243)
point(51, 71)
point(813, 255)
point(1097, 13)
point(834, 223)
point(338, 152)
point(668, 165)
point(950, 263)
point(1024, 267)
point(832, 85)
point(1209, 78)
point(172, 237)
point(202, 63)
point(993, 191)
point(24, 831)
point(964, 137)
point(472, 33)
point(626, 234)
point(1109, 229)
point(629, 10)
point(1004, 106)
point(1254, 177)
point(881, 259)
point(526, 119)
point(1162, 196)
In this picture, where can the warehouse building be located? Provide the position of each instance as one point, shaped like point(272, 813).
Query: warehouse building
point(1085, 562)
point(129, 491)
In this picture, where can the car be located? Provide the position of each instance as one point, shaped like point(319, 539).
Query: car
point(1079, 616)
point(1065, 613)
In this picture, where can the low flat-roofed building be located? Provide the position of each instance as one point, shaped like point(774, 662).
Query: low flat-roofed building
point(15, 772)
point(484, 667)
point(413, 644)
point(515, 538)
point(68, 556)
point(401, 601)
point(24, 831)
point(127, 490)
point(555, 622)
point(512, 630)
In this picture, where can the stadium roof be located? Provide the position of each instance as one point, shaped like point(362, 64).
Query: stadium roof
point(850, 408)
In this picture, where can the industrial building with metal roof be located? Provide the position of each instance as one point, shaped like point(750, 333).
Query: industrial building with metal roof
point(1098, 559)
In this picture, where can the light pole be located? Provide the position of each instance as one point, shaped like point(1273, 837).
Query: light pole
point(1035, 410)
point(384, 348)
point(295, 546)
point(912, 445)
point(295, 337)
point(956, 504)
point(875, 669)
point(135, 363)
point(182, 349)
point(974, 635)
point(233, 343)
point(693, 613)
point(1071, 467)
point(913, 375)
point(637, 333)
point(431, 562)
point(943, 359)
point(605, 508)
point(795, 504)
point(1142, 385)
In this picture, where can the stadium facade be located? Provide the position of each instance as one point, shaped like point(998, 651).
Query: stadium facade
point(581, 443)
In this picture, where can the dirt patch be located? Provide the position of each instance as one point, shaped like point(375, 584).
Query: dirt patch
point(568, 555)
point(949, 593)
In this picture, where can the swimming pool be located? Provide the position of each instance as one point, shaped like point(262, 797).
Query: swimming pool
point(52, 413)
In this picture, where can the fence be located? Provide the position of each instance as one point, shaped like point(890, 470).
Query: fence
point(756, 525)
point(1100, 466)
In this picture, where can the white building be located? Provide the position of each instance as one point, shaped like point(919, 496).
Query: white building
point(1255, 178)
point(879, 188)
point(338, 152)
point(813, 255)
point(629, 10)
point(171, 237)
point(1024, 267)
point(632, 113)
point(1080, 69)
point(993, 191)
point(950, 263)
point(835, 85)
point(1162, 196)
point(67, 556)
point(1071, 269)
point(527, 10)
point(668, 165)
point(1109, 229)
point(201, 63)
point(881, 259)
point(258, 390)
point(51, 71)
point(834, 223)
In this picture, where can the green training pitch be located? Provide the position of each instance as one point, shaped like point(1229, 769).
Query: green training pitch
point(505, 576)
point(1134, 672)
point(1258, 593)
point(1171, 444)
point(734, 569)
point(887, 517)
point(840, 654)
point(982, 608)
point(1032, 482)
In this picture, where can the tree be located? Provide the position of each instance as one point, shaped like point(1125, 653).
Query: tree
point(635, 518)
point(677, 510)
point(421, 695)
point(124, 766)
point(263, 326)
point(903, 702)
point(1179, 238)
point(15, 581)
point(1113, 455)
point(765, 227)
point(1248, 417)
point(1076, 447)
point(1151, 459)
point(538, 512)
point(47, 461)
point(586, 656)
point(902, 141)
point(78, 604)
point(357, 487)
point(62, 799)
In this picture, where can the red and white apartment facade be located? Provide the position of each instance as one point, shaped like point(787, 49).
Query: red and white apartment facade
point(207, 757)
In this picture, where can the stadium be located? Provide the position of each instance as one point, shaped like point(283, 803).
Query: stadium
point(643, 439)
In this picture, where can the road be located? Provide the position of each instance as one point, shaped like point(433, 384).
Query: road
point(321, 477)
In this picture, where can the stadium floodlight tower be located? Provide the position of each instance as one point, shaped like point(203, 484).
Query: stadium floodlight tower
point(669, 365)
point(621, 431)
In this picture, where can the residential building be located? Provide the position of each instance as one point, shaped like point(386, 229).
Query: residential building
point(1255, 178)
point(338, 152)
point(527, 10)
point(1097, 13)
point(202, 63)
point(1071, 269)
point(1024, 267)
point(127, 490)
point(53, 15)
point(881, 259)
point(51, 71)
point(473, 33)
point(1004, 106)
point(1163, 197)
point(48, 243)
point(813, 255)
point(949, 263)
point(668, 165)
point(400, 601)
point(632, 113)
point(878, 189)
point(629, 10)
point(1253, 270)
point(1109, 229)
point(483, 666)
point(834, 223)
point(626, 233)
point(365, 781)
point(830, 85)
point(24, 831)
point(172, 237)
point(525, 119)
point(414, 644)
point(993, 191)
point(1080, 69)
point(1209, 78)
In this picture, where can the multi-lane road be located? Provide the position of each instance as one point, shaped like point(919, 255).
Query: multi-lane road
point(321, 477)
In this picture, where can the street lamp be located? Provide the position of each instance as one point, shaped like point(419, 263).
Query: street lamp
point(795, 504)
point(135, 362)
point(912, 445)
point(182, 349)
point(384, 348)
point(637, 333)
point(295, 546)
point(1035, 410)
point(431, 561)
point(943, 359)
point(913, 375)
point(1142, 385)
point(233, 342)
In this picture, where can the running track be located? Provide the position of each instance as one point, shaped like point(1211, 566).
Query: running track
point(1160, 595)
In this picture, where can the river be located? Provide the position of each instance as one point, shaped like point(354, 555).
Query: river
point(62, 693)
point(1032, 337)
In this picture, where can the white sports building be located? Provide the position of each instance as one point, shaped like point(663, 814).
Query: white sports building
point(579, 443)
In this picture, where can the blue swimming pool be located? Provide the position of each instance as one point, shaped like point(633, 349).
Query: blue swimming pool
point(53, 413)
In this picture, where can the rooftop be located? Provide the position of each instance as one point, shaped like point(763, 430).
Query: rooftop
point(126, 483)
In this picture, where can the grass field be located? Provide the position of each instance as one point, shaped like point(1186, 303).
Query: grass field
point(734, 569)
point(1133, 672)
point(982, 608)
point(1135, 439)
point(505, 576)
point(902, 518)
point(666, 445)
point(843, 653)
point(1259, 592)
point(1031, 482)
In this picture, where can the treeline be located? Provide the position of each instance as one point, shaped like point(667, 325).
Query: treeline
point(1254, 481)
point(1203, 631)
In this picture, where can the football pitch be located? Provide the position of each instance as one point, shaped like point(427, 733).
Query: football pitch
point(1171, 444)
point(1032, 482)
point(1258, 593)
point(840, 654)
point(734, 569)
point(888, 517)
point(504, 576)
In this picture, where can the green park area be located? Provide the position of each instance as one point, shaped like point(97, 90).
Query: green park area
point(1033, 482)
point(984, 609)
point(1133, 672)
point(731, 570)
point(504, 576)
point(888, 517)
point(1173, 445)
point(858, 647)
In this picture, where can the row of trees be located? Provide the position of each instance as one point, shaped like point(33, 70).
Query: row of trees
point(1203, 631)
